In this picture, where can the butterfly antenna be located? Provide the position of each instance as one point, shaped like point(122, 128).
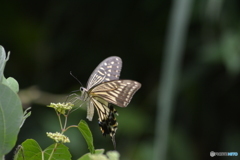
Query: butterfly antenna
point(75, 78)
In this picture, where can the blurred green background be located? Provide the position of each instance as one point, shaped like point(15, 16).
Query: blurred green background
point(48, 39)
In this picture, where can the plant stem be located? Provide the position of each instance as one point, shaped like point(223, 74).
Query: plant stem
point(71, 127)
point(65, 123)
point(42, 155)
point(53, 151)
point(60, 121)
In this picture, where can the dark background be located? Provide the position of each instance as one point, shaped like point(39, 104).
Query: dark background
point(48, 39)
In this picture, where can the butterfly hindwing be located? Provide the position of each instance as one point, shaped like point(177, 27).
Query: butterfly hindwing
point(106, 118)
point(118, 92)
point(101, 107)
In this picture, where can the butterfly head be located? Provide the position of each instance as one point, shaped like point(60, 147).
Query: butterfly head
point(84, 92)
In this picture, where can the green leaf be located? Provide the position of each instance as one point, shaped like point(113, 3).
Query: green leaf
point(110, 155)
point(87, 134)
point(18, 153)
point(3, 61)
point(87, 155)
point(59, 152)
point(11, 83)
point(11, 117)
point(30, 150)
point(113, 155)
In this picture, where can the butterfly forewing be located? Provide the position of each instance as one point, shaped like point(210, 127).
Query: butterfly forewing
point(118, 92)
point(108, 70)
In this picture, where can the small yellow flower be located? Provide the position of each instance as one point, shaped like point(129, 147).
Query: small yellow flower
point(58, 137)
point(61, 107)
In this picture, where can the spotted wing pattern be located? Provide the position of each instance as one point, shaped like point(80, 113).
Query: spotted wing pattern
point(108, 70)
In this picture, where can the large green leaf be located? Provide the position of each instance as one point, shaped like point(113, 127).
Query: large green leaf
point(2, 62)
point(11, 117)
point(61, 152)
point(11, 83)
point(87, 134)
point(30, 150)
point(110, 155)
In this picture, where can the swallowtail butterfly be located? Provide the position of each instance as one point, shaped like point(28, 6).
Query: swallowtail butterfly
point(104, 89)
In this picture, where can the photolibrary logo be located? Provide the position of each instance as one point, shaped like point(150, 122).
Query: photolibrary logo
point(212, 154)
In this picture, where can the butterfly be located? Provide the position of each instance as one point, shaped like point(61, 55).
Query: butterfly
point(104, 89)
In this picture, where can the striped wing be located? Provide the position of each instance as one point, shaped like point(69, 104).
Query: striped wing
point(108, 70)
point(106, 116)
point(102, 108)
point(118, 92)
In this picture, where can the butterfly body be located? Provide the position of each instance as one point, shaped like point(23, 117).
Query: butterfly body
point(104, 89)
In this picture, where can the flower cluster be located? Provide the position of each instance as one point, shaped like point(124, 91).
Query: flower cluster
point(58, 137)
point(61, 107)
